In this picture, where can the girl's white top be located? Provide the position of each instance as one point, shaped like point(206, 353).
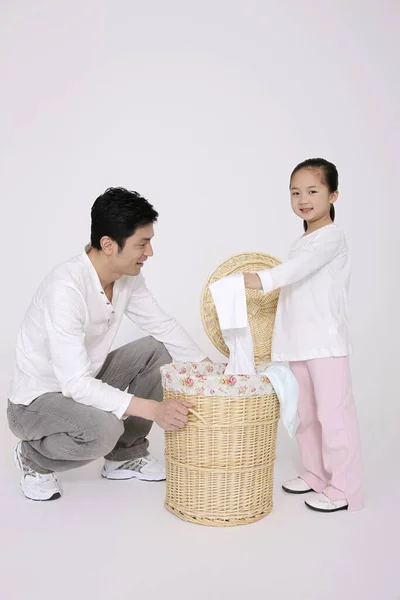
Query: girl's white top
point(312, 316)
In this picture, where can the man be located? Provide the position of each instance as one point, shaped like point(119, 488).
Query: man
point(72, 401)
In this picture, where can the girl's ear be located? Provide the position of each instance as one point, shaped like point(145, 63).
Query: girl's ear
point(333, 197)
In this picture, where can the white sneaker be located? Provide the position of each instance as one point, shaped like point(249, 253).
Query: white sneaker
point(296, 486)
point(321, 503)
point(36, 486)
point(146, 468)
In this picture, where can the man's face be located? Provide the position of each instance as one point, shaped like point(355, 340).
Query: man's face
point(134, 254)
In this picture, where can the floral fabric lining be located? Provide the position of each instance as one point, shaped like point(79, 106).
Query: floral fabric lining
point(209, 379)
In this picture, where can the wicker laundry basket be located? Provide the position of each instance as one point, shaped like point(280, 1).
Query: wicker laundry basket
point(220, 466)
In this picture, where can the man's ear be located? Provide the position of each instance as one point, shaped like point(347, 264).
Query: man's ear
point(107, 245)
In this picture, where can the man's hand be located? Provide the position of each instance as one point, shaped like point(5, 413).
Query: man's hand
point(172, 414)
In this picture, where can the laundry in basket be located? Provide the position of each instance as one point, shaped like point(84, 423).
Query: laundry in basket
point(220, 466)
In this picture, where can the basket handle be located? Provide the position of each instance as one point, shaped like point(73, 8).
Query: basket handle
point(196, 414)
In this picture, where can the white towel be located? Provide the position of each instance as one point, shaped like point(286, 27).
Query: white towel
point(229, 296)
point(230, 301)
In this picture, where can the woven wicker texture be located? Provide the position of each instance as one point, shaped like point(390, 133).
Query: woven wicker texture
point(261, 308)
point(220, 466)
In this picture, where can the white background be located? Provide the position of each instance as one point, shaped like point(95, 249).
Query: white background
point(205, 108)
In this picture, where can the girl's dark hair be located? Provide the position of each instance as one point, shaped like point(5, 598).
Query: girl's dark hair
point(118, 213)
point(330, 177)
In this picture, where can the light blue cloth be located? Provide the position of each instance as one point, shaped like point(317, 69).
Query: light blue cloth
point(287, 389)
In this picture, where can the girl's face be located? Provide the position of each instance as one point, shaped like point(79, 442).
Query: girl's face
point(311, 199)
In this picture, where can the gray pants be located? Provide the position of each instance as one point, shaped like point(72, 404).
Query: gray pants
point(60, 434)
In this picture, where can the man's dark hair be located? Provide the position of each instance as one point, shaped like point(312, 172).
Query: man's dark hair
point(118, 213)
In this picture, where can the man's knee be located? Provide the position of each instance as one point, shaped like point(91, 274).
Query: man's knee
point(158, 351)
point(102, 434)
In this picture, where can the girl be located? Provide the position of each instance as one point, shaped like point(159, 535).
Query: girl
point(311, 332)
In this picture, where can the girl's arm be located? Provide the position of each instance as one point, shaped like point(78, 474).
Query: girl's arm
point(316, 255)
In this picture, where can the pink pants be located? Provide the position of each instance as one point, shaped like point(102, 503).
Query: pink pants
point(328, 434)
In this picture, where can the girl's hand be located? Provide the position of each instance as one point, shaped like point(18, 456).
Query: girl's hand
point(252, 281)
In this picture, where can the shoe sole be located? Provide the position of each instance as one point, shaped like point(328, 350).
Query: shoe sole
point(55, 496)
point(322, 510)
point(18, 464)
point(120, 476)
point(295, 492)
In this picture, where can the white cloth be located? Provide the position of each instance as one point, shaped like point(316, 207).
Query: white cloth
point(312, 316)
point(68, 330)
point(229, 296)
point(230, 302)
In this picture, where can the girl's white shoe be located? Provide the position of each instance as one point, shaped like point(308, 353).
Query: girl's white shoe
point(321, 503)
point(296, 486)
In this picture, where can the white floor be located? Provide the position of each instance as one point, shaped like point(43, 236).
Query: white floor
point(115, 541)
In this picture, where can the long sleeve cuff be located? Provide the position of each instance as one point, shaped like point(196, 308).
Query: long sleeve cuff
point(266, 281)
point(121, 410)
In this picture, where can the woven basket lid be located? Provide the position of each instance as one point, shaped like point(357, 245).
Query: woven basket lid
point(261, 308)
